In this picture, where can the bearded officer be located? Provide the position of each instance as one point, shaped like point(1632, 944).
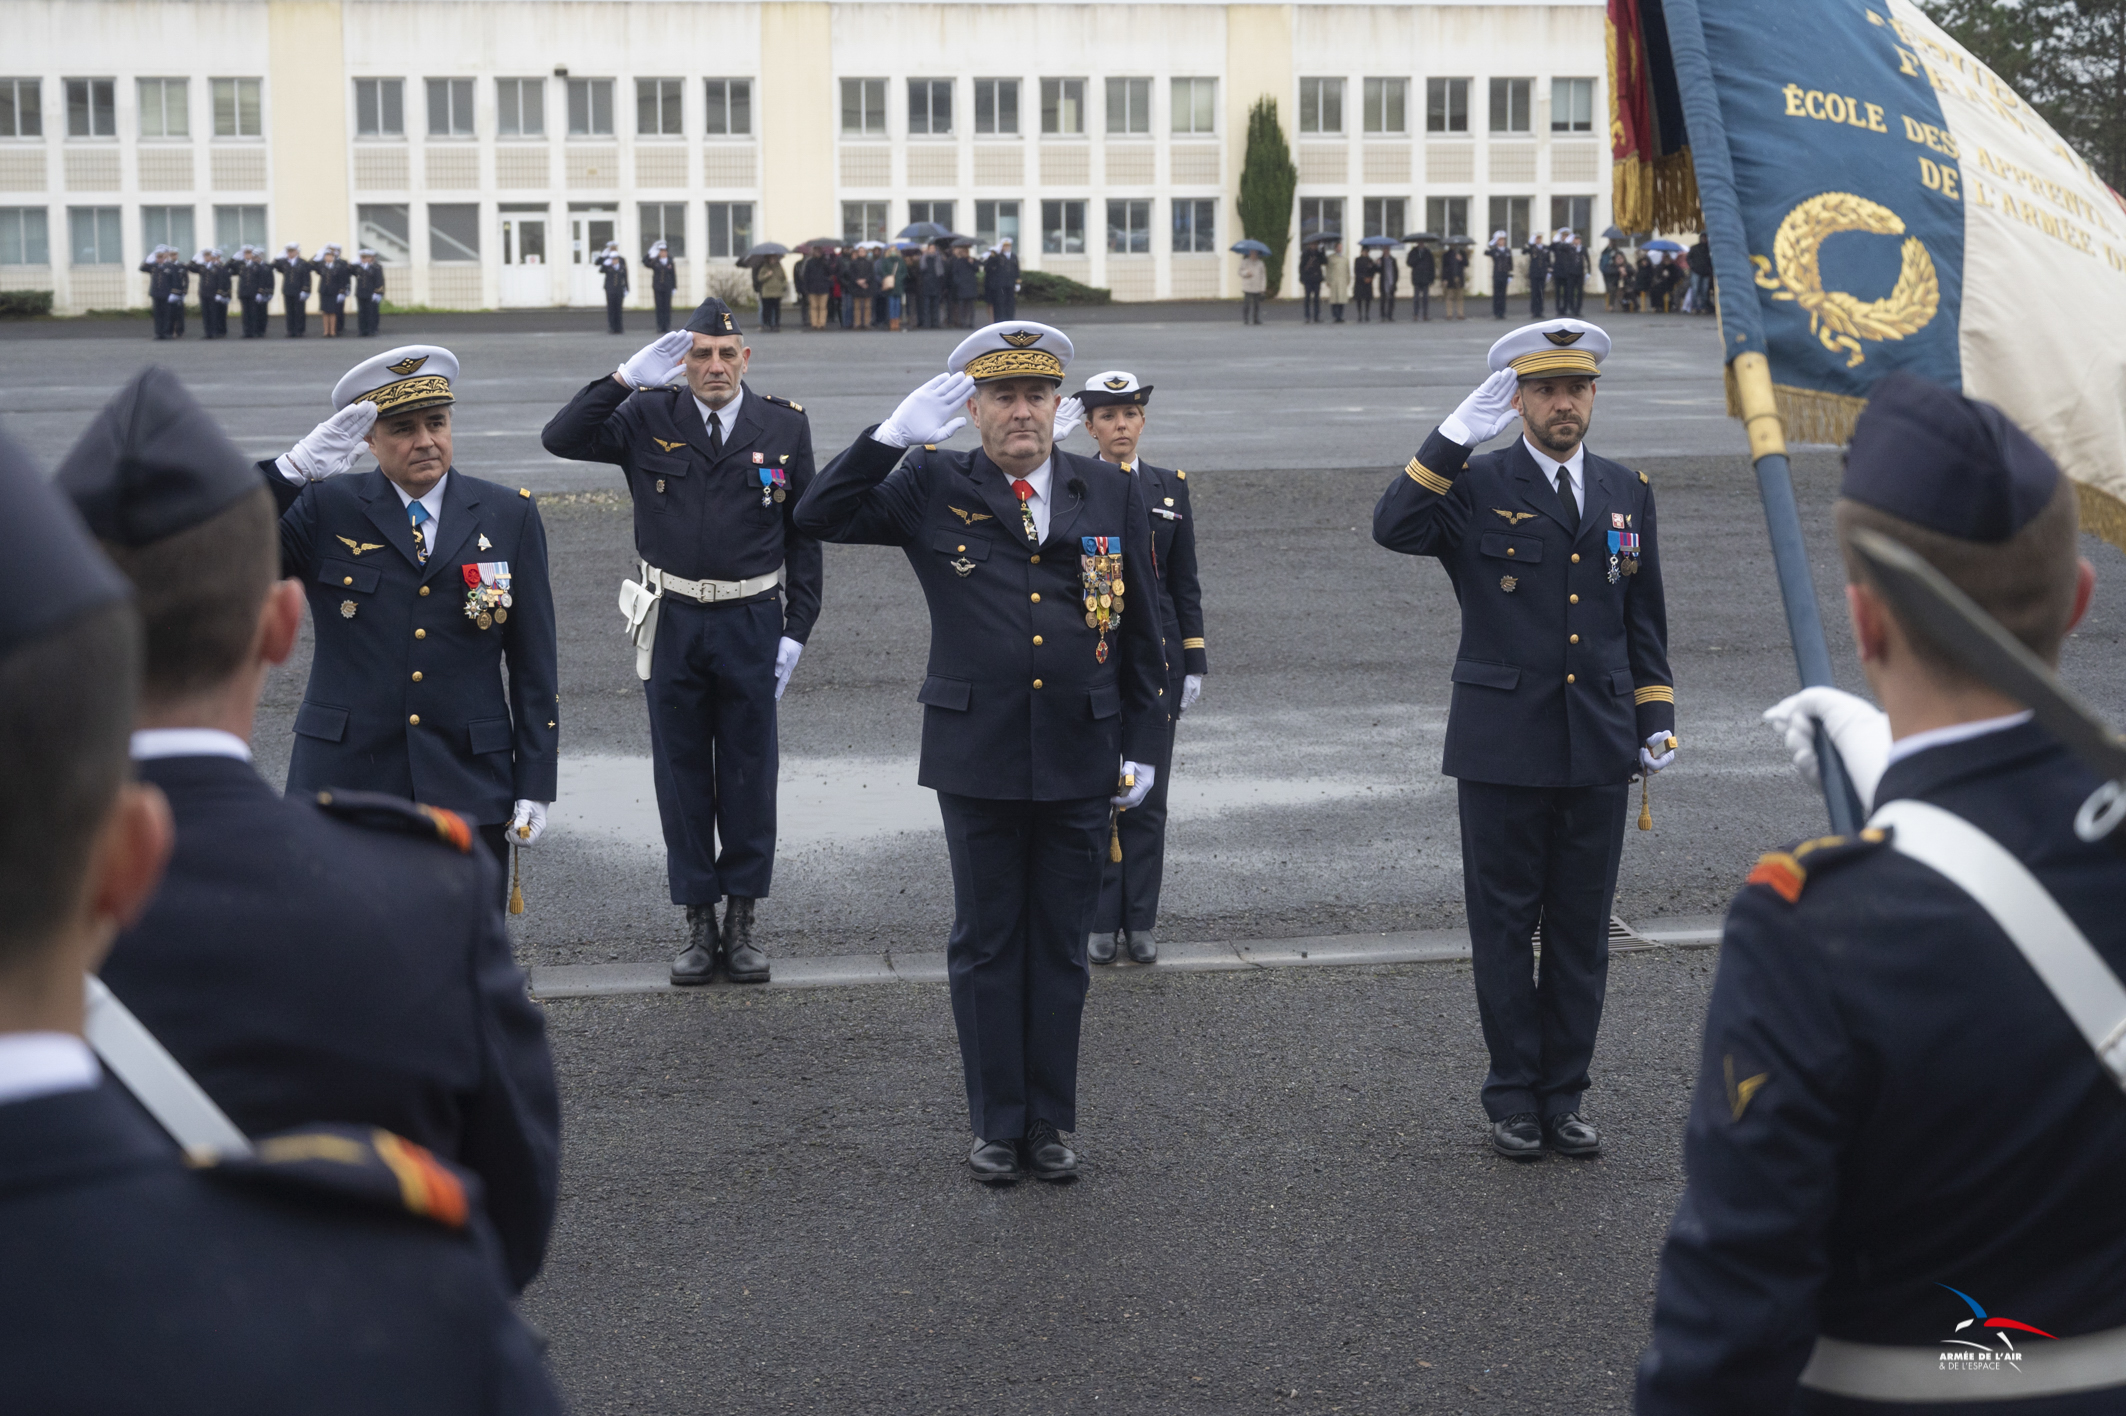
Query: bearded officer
point(715, 471)
point(1044, 688)
point(1561, 693)
point(423, 582)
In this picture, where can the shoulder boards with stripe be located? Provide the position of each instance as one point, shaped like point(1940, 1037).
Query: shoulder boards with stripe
point(1786, 873)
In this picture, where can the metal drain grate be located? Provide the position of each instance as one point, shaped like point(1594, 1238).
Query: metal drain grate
point(1619, 933)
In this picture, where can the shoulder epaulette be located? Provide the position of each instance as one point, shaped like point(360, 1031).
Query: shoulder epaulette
point(1181, 474)
point(361, 1166)
point(793, 407)
point(1786, 873)
point(524, 491)
point(1644, 478)
point(383, 812)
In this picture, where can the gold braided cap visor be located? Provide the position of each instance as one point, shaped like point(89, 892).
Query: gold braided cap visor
point(1014, 364)
point(1555, 361)
point(407, 395)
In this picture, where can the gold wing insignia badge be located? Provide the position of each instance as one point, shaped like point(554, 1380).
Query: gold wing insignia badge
point(1513, 518)
point(358, 548)
point(669, 446)
point(970, 517)
point(1022, 338)
point(407, 365)
point(1740, 1092)
point(1118, 384)
point(1563, 337)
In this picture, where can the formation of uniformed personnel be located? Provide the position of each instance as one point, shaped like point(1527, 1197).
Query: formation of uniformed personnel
point(1115, 406)
point(728, 594)
point(368, 293)
point(214, 275)
point(321, 997)
point(254, 290)
point(664, 279)
point(168, 280)
point(1561, 692)
point(295, 287)
point(1045, 680)
point(422, 582)
point(341, 1264)
point(1905, 1149)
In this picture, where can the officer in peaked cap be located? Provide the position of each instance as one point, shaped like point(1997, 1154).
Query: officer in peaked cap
point(292, 992)
point(1905, 1146)
point(715, 470)
point(254, 290)
point(295, 287)
point(422, 582)
point(1045, 688)
point(1561, 694)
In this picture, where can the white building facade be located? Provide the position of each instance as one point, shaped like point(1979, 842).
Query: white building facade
point(488, 148)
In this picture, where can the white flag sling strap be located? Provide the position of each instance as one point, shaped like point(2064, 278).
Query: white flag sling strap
point(156, 1080)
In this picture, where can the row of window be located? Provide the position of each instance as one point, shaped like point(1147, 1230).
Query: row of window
point(520, 107)
point(1386, 102)
point(165, 108)
point(93, 236)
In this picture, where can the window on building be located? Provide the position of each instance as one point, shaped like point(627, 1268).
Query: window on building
point(1129, 228)
point(666, 222)
point(937, 212)
point(236, 109)
point(91, 112)
point(1387, 105)
point(24, 237)
point(238, 226)
point(1575, 214)
point(167, 225)
point(450, 108)
point(1509, 105)
point(453, 231)
point(1063, 228)
point(1195, 225)
point(863, 108)
point(658, 108)
point(996, 106)
point(21, 111)
point(380, 108)
point(863, 221)
point(1062, 106)
point(1129, 106)
point(1446, 105)
point(387, 229)
point(92, 236)
point(163, 109)
point(730, 107)
point(930, 106)
point(730, 229)
point(994, 221)
point(1321, 216)
point(1321, 105)
point(1510, 215)
point(1447, 216)
point(1195, 105)
point(1572, 106)
point(590, 108)
point(520, 108)
point(1386, 216)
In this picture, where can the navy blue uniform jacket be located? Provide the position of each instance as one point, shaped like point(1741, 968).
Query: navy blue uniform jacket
point(1561, 673)
point(1017, 705)
point(372, 982)
point(695, 517)
point(381, 618)
point(1890, 1100)
point(1174, 550)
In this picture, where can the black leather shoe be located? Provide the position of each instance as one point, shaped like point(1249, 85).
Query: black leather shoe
point(1142, 947)
point(1569, 1135)
point(746, 960)
point(1518, 1137)
point(1100, 948)
point(703, 955)
point(996, 1162)
point(1046, 1155)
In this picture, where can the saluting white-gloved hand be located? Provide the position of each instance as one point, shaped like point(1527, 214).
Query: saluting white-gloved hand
point(1070, 413)
point(529, 824)
point(785, 663)
point(928, 414)
point(1191, 690)
point(1857, 728)
point(1142, 775)
point(331, 447)
point(655, 363)
point(1649, 762)
point(1486, 413)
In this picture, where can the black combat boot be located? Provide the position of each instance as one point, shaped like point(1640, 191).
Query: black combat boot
point(704, 952)
point(747, 962)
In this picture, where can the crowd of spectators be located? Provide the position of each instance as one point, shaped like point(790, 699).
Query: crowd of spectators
point(889, 285)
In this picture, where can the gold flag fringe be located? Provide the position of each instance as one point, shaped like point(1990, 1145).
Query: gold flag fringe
point(1807, 415)
point(1631, 198)
point(1660, 195)
point(2102, 513)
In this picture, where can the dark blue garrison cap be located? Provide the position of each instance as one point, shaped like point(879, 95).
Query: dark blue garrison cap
point(153, 463)
point(50, 570)
point(1928, 454)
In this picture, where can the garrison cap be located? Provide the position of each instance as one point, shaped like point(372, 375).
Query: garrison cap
point(1013, 349)
point(712, 316)
point(153, 463)
point(1552, 347)
point(50, 570)
point(1927, 454)
point(1114, 386)
point(400, 380)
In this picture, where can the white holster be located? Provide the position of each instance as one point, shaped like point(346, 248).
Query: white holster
point(639, 604)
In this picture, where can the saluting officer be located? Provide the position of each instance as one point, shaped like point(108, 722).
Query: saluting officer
point(295, 287)
point(614, 265)
point(214, 273)
point(1115, 407)
point(1045, 679)
point(664, 279)
point(254, 291)
point(369, 293)
point(1561, 675)
point(422, 581)
point(715, 471)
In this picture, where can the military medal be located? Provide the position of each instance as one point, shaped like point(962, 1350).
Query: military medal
point(773, 480)
point(1623, 550)
point(1100, 571)
point(1025, 494)
point(1509, 584)
point(487, 597)
point(347, 608)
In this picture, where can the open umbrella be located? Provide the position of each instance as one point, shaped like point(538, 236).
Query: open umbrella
point(1664, 244)
point(765, 250)
point(959, 241)
point(1249, 247)
point(923, 231)
point(1379, 242)
point(1423, 236)
point(1616, 233)
point(1320, 236)
point(1461, 240)
point(818, 241)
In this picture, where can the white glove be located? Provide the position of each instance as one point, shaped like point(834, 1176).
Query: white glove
point(176, 299)
point(785, 663)
point(655, 363)
point(376, 299)
point(1191, 690)
point(1485, 413)
point(331, 447)
point(923, 415)
point(1069, 414)
point(529, 825)
point(1143, 776)
point(1650, 764)
point(1858, 729)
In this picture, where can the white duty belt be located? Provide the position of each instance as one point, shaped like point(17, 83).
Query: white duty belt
point(2095, 1001)
point(156, 1080)
point(708, 592)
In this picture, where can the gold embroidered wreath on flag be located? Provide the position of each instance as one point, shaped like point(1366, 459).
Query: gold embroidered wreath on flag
point(1840, 320)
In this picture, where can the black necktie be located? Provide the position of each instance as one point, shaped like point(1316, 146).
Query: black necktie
point(715, 436)
point(1571, 507)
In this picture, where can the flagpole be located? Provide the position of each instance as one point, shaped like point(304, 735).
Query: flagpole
point(1742, 327)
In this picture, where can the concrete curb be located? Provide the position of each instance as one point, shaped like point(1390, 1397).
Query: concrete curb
point(1420, 946)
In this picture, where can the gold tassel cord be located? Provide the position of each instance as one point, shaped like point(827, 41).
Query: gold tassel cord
point(516, 881)
point(1646, 810)
point(1114, 835)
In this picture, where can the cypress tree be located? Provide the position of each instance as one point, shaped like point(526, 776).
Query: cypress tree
point(1268, 181)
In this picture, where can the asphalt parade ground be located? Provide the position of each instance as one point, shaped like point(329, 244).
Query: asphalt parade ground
point(1288, 1203)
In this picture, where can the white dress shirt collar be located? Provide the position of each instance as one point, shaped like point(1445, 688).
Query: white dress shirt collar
point(433, 500)
point(726, 415)
point(1575, 468)
point(151, 743)
point(34, 1064)
point(1956, 732)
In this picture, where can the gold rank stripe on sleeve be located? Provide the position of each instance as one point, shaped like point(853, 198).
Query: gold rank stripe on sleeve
point(1430, 480)
point(1192, 643)
point(1654, 693)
